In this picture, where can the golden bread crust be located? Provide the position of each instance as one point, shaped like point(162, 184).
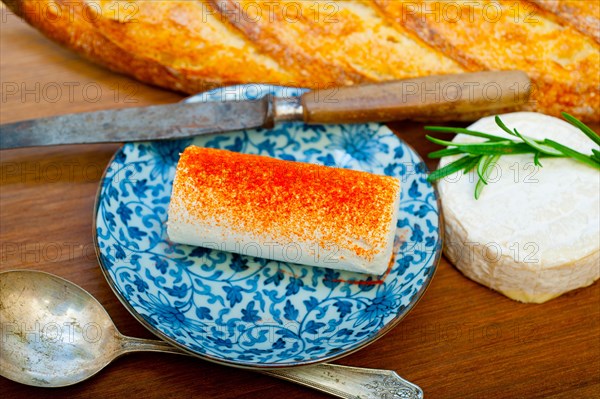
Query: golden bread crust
point(189, 38)
point(583, 15)
point(191, 46)
point(335, 42)
point(64, 22)
point(564, 64)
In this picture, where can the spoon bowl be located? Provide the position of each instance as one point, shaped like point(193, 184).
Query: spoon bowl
point(53, 333)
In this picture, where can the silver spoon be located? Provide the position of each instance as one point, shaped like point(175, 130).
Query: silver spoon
point(54, 334)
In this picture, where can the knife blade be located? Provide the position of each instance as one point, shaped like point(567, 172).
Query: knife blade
point(432, 97)
point(136, 124)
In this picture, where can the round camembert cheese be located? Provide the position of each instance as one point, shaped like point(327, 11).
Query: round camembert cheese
point(534, 233)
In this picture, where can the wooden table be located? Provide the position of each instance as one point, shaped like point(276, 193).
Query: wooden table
point(461, 341)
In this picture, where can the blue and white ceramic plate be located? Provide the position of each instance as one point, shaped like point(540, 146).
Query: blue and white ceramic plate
point(247, 311)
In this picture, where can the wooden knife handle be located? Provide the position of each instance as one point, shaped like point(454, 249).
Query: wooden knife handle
point(428, 97)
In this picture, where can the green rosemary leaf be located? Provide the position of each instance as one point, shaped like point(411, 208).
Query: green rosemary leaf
point(544, 149)
point(471, 164)
point(445, 153)
point(536, 160)
point(438, 141)
point(449, 169)
point(583, 127)
point(486, 147)
point(482, 166)
point(478, 188)
point(445, 142)
point(495, 148)
point(596, 154)
point(481, 183)
point(503, 126)
point(542, 155)
point(443, 129)
point(569, 152)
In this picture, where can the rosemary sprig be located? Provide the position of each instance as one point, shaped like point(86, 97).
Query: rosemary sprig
point(484, 155)
point(585, 129)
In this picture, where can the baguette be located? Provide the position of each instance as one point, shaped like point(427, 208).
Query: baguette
point(563, 64)
point(190, 39)
point(192, 46)
point(66, 23)
point(583, 15)
point(344, 42)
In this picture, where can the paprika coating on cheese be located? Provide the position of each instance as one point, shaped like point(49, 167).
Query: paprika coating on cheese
point(328, 214)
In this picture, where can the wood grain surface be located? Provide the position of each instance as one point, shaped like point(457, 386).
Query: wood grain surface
point(461, 341)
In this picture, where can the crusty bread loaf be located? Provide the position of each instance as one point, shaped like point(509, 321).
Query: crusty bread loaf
point(563, 64)
point(344, 42)
point(194, 45)
point(189, 38)
point(583, 15)
point(67, 23)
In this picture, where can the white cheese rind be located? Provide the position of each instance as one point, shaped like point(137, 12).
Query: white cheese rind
point(534, 233)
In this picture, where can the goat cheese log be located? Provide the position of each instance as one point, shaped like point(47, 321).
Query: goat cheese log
point(282, 210)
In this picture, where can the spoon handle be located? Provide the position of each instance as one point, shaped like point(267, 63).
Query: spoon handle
point(341, 381)
point(130, 344)
point(350, 382)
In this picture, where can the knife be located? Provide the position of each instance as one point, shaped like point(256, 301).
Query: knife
point(447, 97)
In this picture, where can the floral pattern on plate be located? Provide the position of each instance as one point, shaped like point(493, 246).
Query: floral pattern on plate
point(249, 311)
